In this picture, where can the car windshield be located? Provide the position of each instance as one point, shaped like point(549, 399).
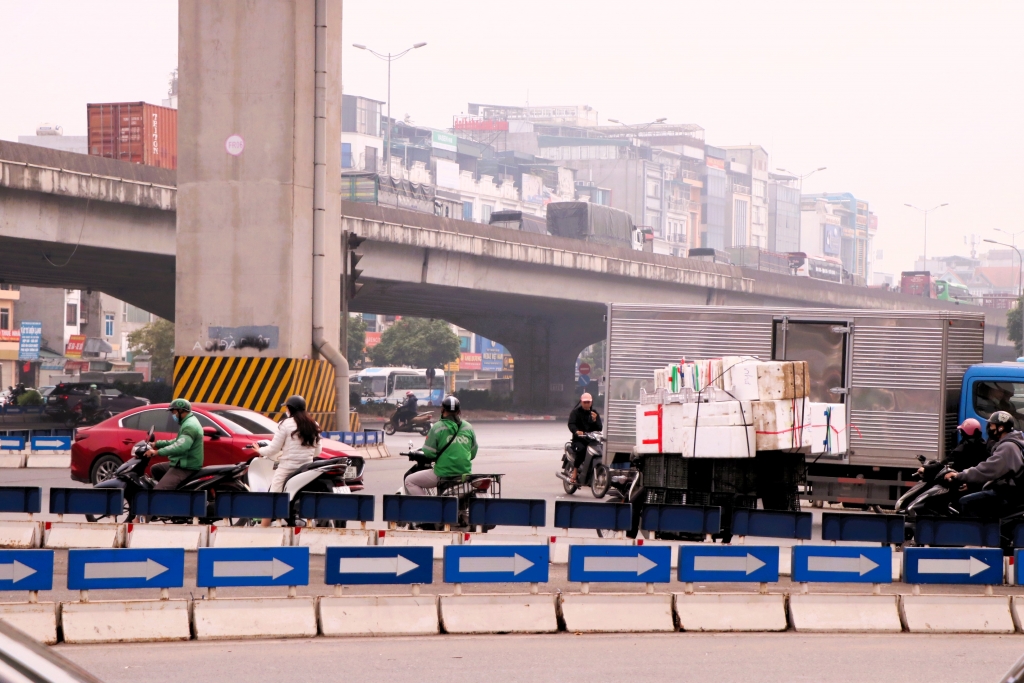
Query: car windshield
point(246, 422)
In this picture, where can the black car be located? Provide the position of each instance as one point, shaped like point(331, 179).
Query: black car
point(65, 396)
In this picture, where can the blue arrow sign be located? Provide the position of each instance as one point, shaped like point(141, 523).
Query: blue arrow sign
point(496, 563)
point(755, 563)
point(362, 565)
point(26, 570)
point(282, 566)
point(620, 563)
point(842, 564)
point(953, 565)
point(126, 568)
point(12, 443)
point(51, 443)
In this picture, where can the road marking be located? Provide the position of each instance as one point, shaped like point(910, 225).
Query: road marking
point(376, 565)
point(856, 565)
point(725, 563)
point(972, 566)
point(638, 565)
point(274, 568)
point(146, 569)
point(516, 564)
point(15, 571)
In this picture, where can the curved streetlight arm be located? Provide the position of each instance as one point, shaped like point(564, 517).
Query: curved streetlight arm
point(1020, 260)
point(388, 57)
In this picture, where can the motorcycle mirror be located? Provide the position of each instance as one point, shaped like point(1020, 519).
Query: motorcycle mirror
point(151, 430)
point(920, 459)
point(410, 445)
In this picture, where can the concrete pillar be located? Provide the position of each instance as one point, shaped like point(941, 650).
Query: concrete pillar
point(244, 306)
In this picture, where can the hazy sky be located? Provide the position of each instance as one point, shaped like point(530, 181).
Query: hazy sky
point(916, 102)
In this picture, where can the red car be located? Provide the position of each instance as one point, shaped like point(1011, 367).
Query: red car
point(99, 450)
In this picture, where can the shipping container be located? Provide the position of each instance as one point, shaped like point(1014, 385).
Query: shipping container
point(137, 132)
point(916, 283)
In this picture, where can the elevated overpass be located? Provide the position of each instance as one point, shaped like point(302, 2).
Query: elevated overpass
point(76, 221)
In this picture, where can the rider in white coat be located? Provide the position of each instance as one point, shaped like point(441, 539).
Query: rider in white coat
point(296, 443)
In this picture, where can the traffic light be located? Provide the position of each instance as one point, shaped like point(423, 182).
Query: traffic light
point(352, 285)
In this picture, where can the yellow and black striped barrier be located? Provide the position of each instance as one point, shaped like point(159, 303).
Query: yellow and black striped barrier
point(258, 383)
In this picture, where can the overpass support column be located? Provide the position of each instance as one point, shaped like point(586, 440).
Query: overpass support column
point(248, 187)
point(545, 352)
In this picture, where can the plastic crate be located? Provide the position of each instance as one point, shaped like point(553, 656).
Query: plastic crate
point(676, 473)
point(675, 497)
point(655, 496)
point(654, 470)
point(697, 498)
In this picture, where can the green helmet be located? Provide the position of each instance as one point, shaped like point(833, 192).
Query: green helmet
point(180, 404)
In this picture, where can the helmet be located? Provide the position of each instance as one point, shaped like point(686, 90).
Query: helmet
point(451, 404)
point(409, 393)
point(92, 386)
point(180, 404)
point(586, 397)
point(296, 403)
point(970, 427)
point(1001, 418)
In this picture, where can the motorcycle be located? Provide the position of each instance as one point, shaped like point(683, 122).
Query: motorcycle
point(421, 423)
point(85, 416)
point(132, 477)
point(325, 474)
point(932, 495)
point(592, 472)
point(465, 488)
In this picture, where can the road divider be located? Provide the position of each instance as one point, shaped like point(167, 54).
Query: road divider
point(617, 612)
point(839, 612)
point(378, 615)
point(226, 618)
point(249, 536)
point(123, 621)
point(957, 613)
point(498, 613)
point(38, 620)
point(67, 535)
point(184, 536)
point(319, 540)
point(731, 611)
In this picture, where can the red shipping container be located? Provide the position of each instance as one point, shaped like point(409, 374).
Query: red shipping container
point(134, 131)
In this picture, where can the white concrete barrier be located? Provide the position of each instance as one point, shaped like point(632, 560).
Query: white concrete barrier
point(255, 618)
point(83, 535)
point(49, 459)
point(249, 536)
point(187, 536)
point(318, 540)
point(124, 621)
point(731, 611)
point(38, 620)
point(560, 545)
point(20, 534)
point(12, 459)
point(844, 612)
point(498, 613)
point(956, 613)
point(435, 539)
point(617, 612)
point(503, 539)
point(378, 615)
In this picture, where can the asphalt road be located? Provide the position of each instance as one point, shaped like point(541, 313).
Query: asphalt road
point(677, 657)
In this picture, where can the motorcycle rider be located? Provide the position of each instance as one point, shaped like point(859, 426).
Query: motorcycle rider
point(91, 404)
point(582, 419)
point(185, 451)
point(998, 473)
point(971, 450)
point(296, 443)
point(406, 411)
point(451, 444)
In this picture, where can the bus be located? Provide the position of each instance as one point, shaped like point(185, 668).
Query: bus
point(389, 385)
point(951, 291)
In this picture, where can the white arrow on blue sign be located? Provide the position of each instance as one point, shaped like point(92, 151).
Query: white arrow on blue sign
point(620, 563)
point(12, 443)
point(51, 443)
point(284, 566)
point(716, 563)
point(126, 568)
point(496, 563)
point(842, 564)
point(27, 570)
point(382, 564)
point(953, 565)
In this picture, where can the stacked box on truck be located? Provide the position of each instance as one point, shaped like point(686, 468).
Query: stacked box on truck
point(136, 132)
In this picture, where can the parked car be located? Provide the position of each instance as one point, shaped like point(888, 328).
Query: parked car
point(99, 450)
point(61, 401)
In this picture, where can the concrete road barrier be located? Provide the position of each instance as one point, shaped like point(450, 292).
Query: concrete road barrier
point(124, 621)
point(12, 459)
point(956, 613)
point(83, 535)
point(504, 539)
point(617, 612)
point(731, 612)
point(560, 545)
point(225, 618)
point(498, 613)
point(378, 615)
point(20, 534)
point(49, 459)
point(318, 540)
point(37, 619)
point(187, 536)
point(838, 612)
point(435, 539)
point(249, 536)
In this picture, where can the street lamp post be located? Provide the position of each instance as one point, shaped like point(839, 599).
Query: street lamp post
point(926, 212)
point(1020, 280)
point(388, 58)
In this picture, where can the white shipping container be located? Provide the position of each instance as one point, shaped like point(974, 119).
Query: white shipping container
point(828, 433)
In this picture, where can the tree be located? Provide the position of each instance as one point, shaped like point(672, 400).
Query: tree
point(1013, 330)
point(156, 339)
point(356, 340)
point(418, 343)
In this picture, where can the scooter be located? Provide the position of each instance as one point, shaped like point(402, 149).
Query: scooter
point(465, 488)
point(80, 416)
point(325, 474)
point(421, 423)
point(592, 472)
point(932, 495)
point(132, 477)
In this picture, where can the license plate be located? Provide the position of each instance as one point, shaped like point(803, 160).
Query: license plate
point(351, 471)
point(342, 489)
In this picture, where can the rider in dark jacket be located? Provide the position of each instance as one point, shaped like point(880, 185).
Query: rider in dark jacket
point(582, 419)
point(407, 410)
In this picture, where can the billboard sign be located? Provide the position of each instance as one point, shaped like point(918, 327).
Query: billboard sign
point(470, 361)
point(31, 338)
point(445, 141)
point(833, 240)
point(75, 345)
point(447, 174)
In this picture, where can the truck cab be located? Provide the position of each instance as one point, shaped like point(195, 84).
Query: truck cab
point(989, 387)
